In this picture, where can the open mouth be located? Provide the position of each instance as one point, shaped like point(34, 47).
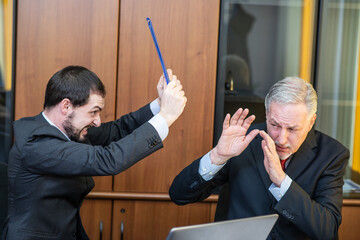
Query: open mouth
point(84, 131)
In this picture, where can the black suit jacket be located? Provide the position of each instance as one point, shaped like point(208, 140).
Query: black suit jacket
point(310, 209)
point(49, 176)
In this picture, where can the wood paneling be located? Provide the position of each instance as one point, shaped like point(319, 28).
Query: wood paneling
point(92, 213)
point(187, 33)
point(140, 196)
point(144, 220)
point(57, 33)
point(350, 226)
point(104, 37)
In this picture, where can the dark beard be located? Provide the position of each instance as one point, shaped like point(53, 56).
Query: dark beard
point(71, 131)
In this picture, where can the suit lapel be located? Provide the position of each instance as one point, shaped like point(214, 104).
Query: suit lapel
point(40, 119)
point(303, 157)
point(259, 158)
point(300, 161)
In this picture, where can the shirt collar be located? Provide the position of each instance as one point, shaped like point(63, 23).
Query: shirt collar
point(52, 124)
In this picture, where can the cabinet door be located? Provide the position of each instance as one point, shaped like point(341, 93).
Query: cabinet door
point(187, 33)
point(148, 220)
point(350, 226)
point(57, 33)
point(96, 218)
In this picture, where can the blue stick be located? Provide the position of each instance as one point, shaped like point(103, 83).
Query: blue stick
point(158, 50)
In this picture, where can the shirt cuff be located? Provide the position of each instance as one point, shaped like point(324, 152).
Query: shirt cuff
point(207, 170)
point(279, 192)
point(155, 107)
point(160, 125)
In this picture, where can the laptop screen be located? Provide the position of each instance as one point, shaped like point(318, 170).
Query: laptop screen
point(253, 228)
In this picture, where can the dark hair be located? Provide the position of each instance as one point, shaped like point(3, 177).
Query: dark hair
point(75, 83)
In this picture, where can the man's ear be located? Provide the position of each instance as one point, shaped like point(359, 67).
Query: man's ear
point(65, 106)
point(312, 121)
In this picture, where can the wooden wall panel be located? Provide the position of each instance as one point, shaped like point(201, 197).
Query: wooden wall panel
point(143, 220)
point(57, 33)
point(187, 33)
point(350, 226)
point(92, 213)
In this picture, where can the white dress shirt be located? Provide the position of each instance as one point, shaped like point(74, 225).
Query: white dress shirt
point(207, 170)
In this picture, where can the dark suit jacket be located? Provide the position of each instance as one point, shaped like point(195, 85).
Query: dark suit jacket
point(3, 194)
point(310, 209)
point(49, 176)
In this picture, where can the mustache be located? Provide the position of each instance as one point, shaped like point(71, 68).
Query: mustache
point(281, 145)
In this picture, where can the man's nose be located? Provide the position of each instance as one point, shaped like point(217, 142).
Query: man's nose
point(283, 135)
point(97, 121)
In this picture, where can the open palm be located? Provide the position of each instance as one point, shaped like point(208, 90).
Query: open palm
point(233, 140)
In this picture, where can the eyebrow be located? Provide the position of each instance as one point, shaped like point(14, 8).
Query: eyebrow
point(275, 122)
point(96, 107)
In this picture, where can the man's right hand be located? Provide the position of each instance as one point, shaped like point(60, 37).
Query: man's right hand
point(233, 140)
point(173, 99)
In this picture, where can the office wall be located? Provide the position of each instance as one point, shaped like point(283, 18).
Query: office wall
point(112, 39)
point(55, 34)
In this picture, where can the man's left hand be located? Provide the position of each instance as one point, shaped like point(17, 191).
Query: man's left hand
point(271, 160)
point(162, 84)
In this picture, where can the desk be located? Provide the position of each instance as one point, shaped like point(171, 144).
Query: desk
point(350, 226)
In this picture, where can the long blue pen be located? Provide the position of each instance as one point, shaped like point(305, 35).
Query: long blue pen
point(158, 50)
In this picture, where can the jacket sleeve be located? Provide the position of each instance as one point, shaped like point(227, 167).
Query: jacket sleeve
point(115, 130)
point(189, 187)
point(318, 215)
point(45, 153)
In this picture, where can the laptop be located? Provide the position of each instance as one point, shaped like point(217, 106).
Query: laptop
point(253, 228)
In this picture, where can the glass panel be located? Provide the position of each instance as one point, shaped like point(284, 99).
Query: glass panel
point(261, 42)
point(337, 73)
point(6, 41)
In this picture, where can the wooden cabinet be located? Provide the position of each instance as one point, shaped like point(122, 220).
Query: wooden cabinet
point(187, 36)
point(187, 33)
point(140, 215)
point(96, 216)
point(54, 34)
point(153, 219)
point(350, 226)
point(112, 39)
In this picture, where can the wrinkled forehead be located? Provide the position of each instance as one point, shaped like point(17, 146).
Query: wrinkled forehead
point(95, 101)
point(290, 113)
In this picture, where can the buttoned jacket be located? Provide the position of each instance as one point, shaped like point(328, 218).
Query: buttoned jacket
point(311, 207)
point(49, 176)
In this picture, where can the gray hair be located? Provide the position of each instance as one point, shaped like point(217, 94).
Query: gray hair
point(292, 90)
